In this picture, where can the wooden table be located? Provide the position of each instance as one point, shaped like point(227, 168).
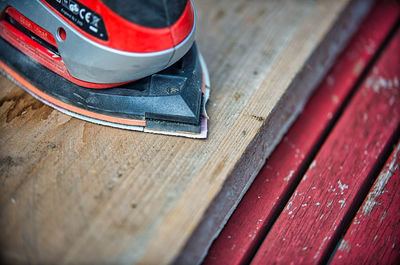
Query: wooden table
point(330, 190)
point(73, 192)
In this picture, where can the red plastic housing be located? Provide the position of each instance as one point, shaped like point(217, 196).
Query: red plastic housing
point(128, 36)
point(36, 51)
point(122, 35)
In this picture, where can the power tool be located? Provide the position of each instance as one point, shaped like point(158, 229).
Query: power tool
point(128, 64)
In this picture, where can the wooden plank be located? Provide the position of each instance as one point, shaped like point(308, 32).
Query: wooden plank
point(374, 235)
point(266, 196)
point(319, 210)
point(260, 147)
point(75, 192)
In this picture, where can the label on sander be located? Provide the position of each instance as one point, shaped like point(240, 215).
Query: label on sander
point(83, 17)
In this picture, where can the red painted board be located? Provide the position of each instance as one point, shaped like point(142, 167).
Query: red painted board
point(374, 235)
point(254, 215)
point(320, 209)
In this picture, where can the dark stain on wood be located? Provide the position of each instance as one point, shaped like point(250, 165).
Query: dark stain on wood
point(52, 146)
point(229, 48)
point(240, 7)
point(219, 15)
point(258, 118)
point(6, 163)
point(254, 18)
point(237, 96)
point(218, 169)
point(262, 12)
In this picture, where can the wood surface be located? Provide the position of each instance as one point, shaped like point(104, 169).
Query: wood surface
point(337, 180)
point(374, 234)
point(273, 186)
point(73, 192)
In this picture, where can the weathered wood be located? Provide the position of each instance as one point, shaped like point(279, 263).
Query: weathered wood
point(75, 192)
point(271, 189)
point(262, 144)
point(374, 235)
point(318, 212)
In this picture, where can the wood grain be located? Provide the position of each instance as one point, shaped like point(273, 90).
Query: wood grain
point(320, 208)
point(374, 235)
point(75, 192)
point(269, 192)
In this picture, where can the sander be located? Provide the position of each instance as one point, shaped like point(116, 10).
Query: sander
point(128, 64)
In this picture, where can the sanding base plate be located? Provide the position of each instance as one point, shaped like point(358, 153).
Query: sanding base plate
point(164, 129)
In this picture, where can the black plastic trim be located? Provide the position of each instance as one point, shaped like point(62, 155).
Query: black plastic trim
point(149, 13)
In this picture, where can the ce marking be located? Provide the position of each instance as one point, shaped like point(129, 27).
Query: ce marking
point(85, 16)
point(81, 12)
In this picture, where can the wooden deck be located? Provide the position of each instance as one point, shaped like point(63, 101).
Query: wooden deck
point(330, 189)
point(73, 192)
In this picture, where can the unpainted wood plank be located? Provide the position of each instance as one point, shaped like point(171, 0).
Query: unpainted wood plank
point(258, 209)
point(75, 192)
point(374, 235)
point(318, 212)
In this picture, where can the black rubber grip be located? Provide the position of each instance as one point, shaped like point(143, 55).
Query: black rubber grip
point(149, 13)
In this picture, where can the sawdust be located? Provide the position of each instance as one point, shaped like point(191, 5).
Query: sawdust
point(20, 102)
